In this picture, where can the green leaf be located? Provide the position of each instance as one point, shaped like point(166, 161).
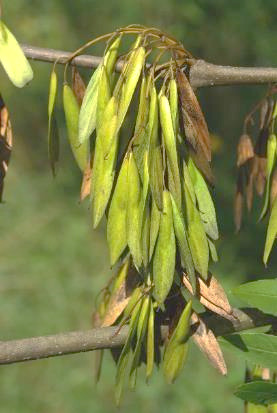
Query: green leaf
point(204, 200)
point(164, 254)
point(154, 227)
point(134, 211)
point(71, 111)
point(258, 392)
point(173, 101)
point(181, 235)
point(271, 156)
point(196, 236)
point(170, 146)
point(213, 251)
point(13, 59)
point(141, 330)
point(103, 96)
point(145, 236)
point(131, 76)
point(87, 118)
point(258, 348)
point(125, 353)
point(53, 144)
point(176, 350)
point(156, 177)
point(116, 225)
point(261, 294)
point(150, 350)
point(104, 162)
point(271, 232)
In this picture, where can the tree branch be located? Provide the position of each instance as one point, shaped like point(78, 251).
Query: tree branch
point(201, 73)
point(35, 348)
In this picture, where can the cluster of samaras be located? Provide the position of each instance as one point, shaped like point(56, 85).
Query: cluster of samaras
point(151, 182)
point(257, 166)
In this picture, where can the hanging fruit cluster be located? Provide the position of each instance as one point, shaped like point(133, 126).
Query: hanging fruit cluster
point(257, 167)
point(150, 178)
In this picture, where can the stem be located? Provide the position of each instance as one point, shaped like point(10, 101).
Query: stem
point(35, 348)
point(201, 74)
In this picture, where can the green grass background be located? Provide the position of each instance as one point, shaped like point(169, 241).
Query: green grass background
point(52, 263)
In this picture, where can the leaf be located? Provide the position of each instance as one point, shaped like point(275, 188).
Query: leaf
point(164, 254)
point(71, 110)
point(86, 182)
point(104, 163)
point(156, 177)
point(173, 101)
point(125, 353)
point(204, 200)
point(196, 236)
point(261, 294)
point(271, 156)
point(145, 236)
point(154, 227)
point(176, 350)
point(53, 145)
point(155, 164)
point(195, 126)
point(103, 96)
point(105, 80)
point(142, 130)
point(6, 138)
point(117, 216)
point(126, 280)
point(258, 392)
point(141, 330)
point(238, 202)
point(131, 77)
point(205, 339)
point(13, 59)
point(258, 348)
point(150, 351)
point(134, 211)
point(271, 232)
point(245, 150)
point(211, 295)
point(78, 85)
point(213, 252)
point(87, 118)
point(181, 235)
point(192, 110)
point(53, 136)
point(170, 146)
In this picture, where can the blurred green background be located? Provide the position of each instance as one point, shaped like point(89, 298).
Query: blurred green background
point(53, 264)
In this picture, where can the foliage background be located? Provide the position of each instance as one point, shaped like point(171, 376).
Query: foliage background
point(53, 265)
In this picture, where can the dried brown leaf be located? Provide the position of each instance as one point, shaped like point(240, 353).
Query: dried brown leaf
point(86, 183)
point(260, 180)
point(5, 143)
point(271, 104)
point(266, 373)
point(263, 113)
point(245, 150)
point(193, 119)
point(211, 294)
point(78, 85)
point(192, 110)
point(238, 202)
point(120, 298)
point(202, 164)
point(249, 185)
point(205, 339)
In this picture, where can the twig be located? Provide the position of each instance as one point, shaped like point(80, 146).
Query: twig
point(35, 348)
point(201, 73)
